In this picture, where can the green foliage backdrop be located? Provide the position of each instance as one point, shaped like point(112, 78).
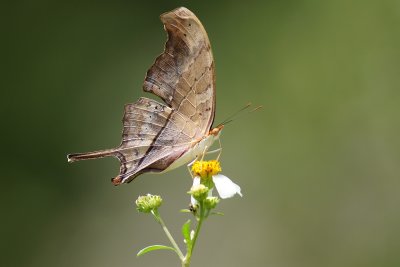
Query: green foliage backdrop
point(319, 165)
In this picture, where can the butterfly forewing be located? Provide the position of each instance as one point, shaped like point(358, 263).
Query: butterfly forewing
point(183, 76)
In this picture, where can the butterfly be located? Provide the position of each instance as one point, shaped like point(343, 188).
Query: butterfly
point(159, 137)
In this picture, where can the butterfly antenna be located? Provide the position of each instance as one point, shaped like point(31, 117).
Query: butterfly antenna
point(235, 115)
point(231, 117)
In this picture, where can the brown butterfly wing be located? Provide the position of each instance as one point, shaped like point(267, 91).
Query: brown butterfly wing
point(183, 76)
point(154, 134)
point(149, 128)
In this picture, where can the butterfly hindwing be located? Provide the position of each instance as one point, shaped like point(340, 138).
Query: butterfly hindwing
point(152, 134)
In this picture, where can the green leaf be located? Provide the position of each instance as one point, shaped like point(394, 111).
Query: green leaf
point(217, 213)
point(186, 232)
point(153, 247)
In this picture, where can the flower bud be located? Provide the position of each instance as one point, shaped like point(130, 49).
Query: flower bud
point(148, 203)
point(211, 202)
point(199, 192)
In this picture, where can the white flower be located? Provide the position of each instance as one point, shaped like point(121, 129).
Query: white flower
point(225, 187)
point(205, 171)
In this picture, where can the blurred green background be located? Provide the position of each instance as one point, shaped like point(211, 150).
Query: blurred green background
point(319, 165)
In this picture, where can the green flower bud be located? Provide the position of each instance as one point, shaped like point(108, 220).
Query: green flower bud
point(211, 202)
point(148, 203)
point(199, 192)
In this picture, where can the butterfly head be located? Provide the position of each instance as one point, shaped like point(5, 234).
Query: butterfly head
point(216, 131)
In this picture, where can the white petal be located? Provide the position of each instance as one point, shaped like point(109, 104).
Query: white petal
point(225, 187)
point(210, 192)
point(196, 181)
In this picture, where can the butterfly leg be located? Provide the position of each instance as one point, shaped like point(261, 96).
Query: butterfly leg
point(190, 171)
point(204, 152)
point(190, 165)
point(214, 151)
point(220, 148)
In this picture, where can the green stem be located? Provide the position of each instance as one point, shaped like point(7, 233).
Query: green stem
point(168, 234)
point(186, 262)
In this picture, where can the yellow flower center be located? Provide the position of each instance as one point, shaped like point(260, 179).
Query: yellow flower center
point(206, 169)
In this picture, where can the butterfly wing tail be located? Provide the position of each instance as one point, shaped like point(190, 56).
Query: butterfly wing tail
point(99, 154)
point(91, 155)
